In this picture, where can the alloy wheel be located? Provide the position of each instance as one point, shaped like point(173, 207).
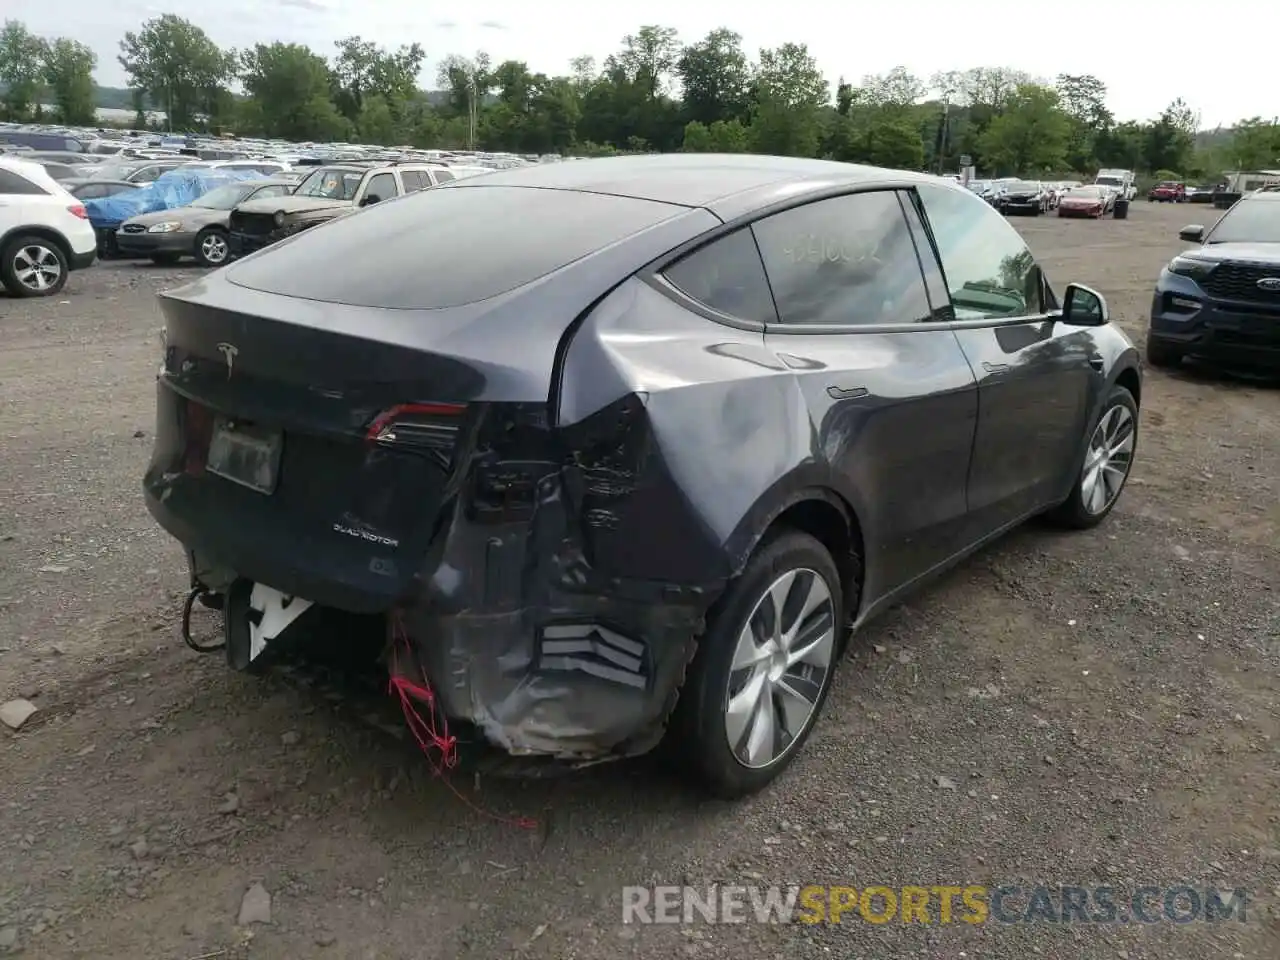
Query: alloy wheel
point(1110, 457)
point(780, 667)
point(214, 248)
point(37, 267)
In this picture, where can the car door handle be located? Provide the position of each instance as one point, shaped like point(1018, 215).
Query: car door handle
point(995, 367)
point(846, 393)
point(1097, 363)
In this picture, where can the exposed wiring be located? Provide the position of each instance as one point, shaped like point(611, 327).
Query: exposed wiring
point(196, 593)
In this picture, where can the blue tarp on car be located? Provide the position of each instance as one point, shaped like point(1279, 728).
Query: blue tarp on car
point(177, 188)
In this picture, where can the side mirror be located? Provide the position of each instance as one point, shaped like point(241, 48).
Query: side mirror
point(370, 198)
point(1192, 234)
point(1083, 307)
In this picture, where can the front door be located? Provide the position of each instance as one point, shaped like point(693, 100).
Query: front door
point(1033, 372)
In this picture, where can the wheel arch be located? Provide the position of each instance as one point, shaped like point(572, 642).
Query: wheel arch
point(825, 515)
point(1129, 378)
point(44, 233)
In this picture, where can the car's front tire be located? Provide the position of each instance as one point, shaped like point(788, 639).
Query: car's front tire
point(1108, 459)
point(763, 668)
point(212, 247)
point(33, 266)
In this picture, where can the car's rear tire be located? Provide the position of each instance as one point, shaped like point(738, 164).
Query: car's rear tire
point(1109, 450)
point(763, 668)
point(1162, 355)
point(33, 266)
point(212, 247)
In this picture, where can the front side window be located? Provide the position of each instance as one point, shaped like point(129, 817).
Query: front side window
point(382, 186)
point(990, 272)
point(727, 276)
point(847, 261)
point(331, 184)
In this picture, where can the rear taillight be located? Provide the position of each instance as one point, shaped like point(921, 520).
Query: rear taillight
point(78, 210)
point(428, 427)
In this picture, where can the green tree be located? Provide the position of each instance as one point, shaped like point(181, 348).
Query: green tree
point(176, 64)
point(535, 113)
point(68, 70)
point(22, 56)
point(362, 69)
point(1030, 135)
point(722, 136)
point(715, 78)
point(627, 105)
point(376, 123)
point(1255, 144)
point(648, 57)
point(1083, 99)
point(791, 92)
point(1169, 141)
point(290, 86)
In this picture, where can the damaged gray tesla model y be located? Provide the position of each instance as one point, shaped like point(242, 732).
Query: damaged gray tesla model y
point(620, 449)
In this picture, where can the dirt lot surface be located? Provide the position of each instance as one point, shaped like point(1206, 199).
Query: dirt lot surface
point(1085, 709)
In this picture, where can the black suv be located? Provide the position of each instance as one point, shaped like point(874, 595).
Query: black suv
point(1221, 301)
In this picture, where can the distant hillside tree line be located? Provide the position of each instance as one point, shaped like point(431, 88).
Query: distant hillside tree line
point(655, 93)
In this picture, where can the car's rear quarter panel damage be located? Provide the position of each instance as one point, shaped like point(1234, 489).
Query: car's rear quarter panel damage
point(529, 625)
point(578, 566)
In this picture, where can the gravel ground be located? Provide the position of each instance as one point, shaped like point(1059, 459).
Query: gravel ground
point(1086, 709)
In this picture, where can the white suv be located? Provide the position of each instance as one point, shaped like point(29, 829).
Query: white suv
point(44, 231)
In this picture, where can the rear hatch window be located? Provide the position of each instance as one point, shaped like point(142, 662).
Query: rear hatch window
point(447, 247)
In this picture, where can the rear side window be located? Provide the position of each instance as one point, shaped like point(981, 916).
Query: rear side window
point(727, 276)
point(446, 248)
point(413, 180)
point(11, 183)
point(443, 176)
point(845, 261)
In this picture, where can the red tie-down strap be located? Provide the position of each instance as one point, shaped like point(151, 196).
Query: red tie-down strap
point(410, 686)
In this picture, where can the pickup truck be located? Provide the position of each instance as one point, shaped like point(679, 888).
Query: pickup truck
point(327, 193)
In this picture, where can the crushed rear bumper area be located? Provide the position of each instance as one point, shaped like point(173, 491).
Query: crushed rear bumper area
point(526, 610)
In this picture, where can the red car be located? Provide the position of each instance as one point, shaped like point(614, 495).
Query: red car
point(1085, 202)
point(1168, 191)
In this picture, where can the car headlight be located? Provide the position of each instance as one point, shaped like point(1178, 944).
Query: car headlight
point(1192, 267)
point(279, 218)
point(169, 226)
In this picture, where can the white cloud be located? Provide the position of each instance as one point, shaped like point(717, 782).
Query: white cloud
point(1143, 71)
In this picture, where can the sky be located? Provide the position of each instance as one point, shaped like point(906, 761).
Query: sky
point(1145, 51)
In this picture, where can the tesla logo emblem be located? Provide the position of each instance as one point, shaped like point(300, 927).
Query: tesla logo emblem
point(229, 353)
point(1271, 284)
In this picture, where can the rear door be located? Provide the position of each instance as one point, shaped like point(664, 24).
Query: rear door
point(1035, 374)
point(892, 401)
